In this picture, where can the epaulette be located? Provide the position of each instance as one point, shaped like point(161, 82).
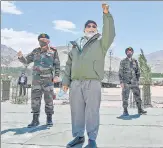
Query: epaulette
point(53, 48)
point(36, 49)
point(123, 60)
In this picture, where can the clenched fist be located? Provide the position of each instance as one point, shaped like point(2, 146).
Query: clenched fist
point(19, 54)
point(105, 8)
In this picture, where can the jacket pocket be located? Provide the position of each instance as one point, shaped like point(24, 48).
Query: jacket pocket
point(98, 67)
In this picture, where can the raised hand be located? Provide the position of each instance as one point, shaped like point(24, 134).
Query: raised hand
point(19, 54)
point(105, 8)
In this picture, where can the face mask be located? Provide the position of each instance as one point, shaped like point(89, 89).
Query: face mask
point(129, 55)
point(90, 34)
point(42, 44)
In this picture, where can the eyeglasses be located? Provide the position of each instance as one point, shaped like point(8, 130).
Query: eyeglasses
point(93, 26)
point(129, 50)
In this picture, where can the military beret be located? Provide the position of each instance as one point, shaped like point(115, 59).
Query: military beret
point(129, 48)
point(43, 35)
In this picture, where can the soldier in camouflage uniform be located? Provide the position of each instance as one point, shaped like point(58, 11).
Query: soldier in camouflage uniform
point(46, 71)
point(129, 75)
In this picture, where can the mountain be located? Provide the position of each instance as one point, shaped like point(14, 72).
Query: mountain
point(7, 55)
point(155, 60)
point(9, 58)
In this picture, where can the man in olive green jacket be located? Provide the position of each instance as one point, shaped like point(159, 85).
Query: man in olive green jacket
point(83, 74)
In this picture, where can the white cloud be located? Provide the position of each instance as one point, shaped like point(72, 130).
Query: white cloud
point(9, 7)
point(19, 40)
point(65, 26)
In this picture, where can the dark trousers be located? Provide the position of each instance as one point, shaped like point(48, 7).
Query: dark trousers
point(22, 89)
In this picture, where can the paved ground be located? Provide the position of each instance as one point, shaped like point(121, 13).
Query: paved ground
point(115, 131)
point(112, 97)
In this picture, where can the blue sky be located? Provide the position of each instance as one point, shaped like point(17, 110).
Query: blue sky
point(138, 24)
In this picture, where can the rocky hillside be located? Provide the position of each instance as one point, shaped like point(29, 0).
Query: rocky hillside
point(9, 58)
point(155, 60)
point(7, 55)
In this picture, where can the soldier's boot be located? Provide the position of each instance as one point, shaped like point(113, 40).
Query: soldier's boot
point(125, 112)
point(49, 121)
point(35, 122)
point(140, 110)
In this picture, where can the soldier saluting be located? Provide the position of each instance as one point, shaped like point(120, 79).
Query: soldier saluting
point(129, 75)
point(46, 71)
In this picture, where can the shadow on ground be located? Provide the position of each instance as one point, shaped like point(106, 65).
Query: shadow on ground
point(77, 146)
point(129, 117)
point(23, 130)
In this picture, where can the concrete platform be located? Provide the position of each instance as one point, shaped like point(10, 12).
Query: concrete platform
point(115, 131)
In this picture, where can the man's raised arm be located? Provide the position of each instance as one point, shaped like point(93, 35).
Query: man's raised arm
point(108, 31)
point(25, 60)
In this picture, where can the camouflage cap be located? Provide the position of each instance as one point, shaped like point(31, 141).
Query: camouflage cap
point(43, 35)
point(129, 48)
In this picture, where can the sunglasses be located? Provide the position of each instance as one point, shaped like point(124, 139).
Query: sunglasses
point(129, 50)
point(93, 26)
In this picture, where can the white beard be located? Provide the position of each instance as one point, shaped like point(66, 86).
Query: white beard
point(90, 34)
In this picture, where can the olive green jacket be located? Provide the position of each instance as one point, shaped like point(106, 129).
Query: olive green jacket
point(88, 63)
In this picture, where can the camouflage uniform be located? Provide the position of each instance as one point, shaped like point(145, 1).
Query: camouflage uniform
point(129, 75)
point(46, 66)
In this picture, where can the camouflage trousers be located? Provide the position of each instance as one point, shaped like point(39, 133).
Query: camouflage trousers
point(41, 86)
point(136, 94)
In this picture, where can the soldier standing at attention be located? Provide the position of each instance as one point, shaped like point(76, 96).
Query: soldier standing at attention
point(129, 75)
point(46, 71)
point(83, 74)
